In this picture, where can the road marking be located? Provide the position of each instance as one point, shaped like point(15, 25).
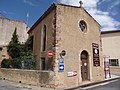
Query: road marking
point(101, 84)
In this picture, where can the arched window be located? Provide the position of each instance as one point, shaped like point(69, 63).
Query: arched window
point(44, 38)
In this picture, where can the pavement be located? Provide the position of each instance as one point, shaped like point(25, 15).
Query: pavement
point(8, 85)
point(108, 79)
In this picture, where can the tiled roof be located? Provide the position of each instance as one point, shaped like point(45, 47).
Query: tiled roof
point(112, 31)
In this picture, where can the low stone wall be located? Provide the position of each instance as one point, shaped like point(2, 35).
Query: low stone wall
point(33, 77)
point(115, 70)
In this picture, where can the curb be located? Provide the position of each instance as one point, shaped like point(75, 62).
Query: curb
point(93, 83)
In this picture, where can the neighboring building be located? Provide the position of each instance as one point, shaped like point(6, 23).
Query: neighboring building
point(111, 46)
point(3, 53)
point(7, 27)
point(67, 41)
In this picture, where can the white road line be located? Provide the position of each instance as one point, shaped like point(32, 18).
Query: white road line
point(101, 84)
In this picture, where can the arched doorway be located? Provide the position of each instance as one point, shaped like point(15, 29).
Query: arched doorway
point(84, 65)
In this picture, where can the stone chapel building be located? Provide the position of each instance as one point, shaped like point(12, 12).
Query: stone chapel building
point(67, 41)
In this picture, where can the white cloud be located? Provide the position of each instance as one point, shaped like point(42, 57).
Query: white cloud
point(117, 2)
point(5, 12)
point(104, 18)
point(29, 2)
point(112, 7)
point(102, 1)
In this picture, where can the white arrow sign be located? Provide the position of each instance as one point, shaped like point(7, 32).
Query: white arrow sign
point(61, 67)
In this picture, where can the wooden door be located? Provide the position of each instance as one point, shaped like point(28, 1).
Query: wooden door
point(84, 66)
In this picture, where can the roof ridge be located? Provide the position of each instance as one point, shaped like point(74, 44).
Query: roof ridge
point(110, 31)
point(12, 19)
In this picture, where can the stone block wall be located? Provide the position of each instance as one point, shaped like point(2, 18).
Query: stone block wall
point(33, 77)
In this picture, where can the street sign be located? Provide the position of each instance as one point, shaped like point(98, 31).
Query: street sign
point(96, 60)
point(61, 60)
point(50, 53)
point(61, 64)
point(72, 73)
point(61, 67)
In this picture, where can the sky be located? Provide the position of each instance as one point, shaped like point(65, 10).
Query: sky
point(106, 12)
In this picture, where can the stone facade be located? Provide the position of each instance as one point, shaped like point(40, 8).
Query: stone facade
point(7, 27)
point(115, 70)
point(61, 26)
point(3, 53)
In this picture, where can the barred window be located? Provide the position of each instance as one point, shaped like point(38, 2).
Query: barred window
point(113, 62)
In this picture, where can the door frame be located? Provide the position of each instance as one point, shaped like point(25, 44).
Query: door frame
point(84, 69)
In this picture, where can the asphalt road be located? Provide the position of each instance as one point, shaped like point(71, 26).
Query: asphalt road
point(111, 85)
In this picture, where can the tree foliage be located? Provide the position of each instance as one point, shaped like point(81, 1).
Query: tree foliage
point(29, 44)
point(14, 46)
point(6, 63)
point(21, 55)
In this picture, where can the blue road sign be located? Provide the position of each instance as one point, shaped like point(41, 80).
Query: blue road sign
point(61, 67)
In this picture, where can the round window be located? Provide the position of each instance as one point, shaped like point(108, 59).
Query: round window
point(83, 26)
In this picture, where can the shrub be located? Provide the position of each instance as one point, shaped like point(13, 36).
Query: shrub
point(28, 62)
point(16, 63)
point(6, 63)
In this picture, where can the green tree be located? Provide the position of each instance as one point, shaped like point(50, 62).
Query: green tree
point(15, 37)
point(27, 56)
point(21, 55)
point(29, 44)
point(14, 46)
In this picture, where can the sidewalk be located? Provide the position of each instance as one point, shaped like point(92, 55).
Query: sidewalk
point(113, 77)
point(8, 85)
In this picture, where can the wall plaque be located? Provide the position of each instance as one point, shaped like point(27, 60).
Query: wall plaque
point(96, 59)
